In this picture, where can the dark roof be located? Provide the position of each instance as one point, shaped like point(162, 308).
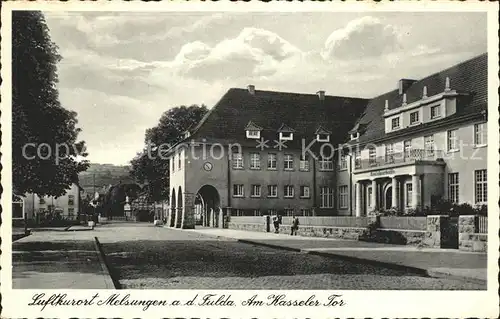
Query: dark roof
point(470, 76)
point(270, 110)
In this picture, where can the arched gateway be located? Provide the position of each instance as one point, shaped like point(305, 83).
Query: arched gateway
point(208, 200)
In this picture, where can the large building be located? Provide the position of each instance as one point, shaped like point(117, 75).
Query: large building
point(262, 152)
point(66, 205)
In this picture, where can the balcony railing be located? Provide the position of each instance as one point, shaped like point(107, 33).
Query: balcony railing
point(399, 158)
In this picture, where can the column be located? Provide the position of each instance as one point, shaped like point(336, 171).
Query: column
point(395, 193)
point(359, 209)
point(415, 192)
point(374, 194)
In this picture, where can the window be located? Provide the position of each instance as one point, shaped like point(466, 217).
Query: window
point(288, 162)
point(453, 187)
point(357, 158)
point(288, 189)
point(395, 123)
point(326, 164)
point(304, 162)
point(272, 190)
point(429, 145)
point(272, 212)
point(409, 192)
point(253, 134)
point(414, 117)
point(480, 186)
point(306, 212)
point(343, 202)
point(407, 148)
point(42, 200)
point(354, 136)
point(323, 137)
point(271, 161)
point(286, 136)
point(254, 161)
point(289, 211)
point(305, 192)
point(452, 140)
point(389, 153)
point(71, 211)
point(326, 195)
point(71, 200)
point(256, 212)
point(480, 134)
point(343, 162)
point(237, 212)
point(237, 160)
point(172, 165)
point(180, 166)
point(369, 196)
point(435, 112)
point(238, 190)
point(372, 153)
point(255, 191)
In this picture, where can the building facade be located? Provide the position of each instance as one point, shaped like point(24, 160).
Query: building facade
point(263, 152)
point(67, 205)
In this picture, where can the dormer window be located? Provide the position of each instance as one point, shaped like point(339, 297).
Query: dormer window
point(253, 134)
point(285, 133)
point(286, 136)
point(253, 130)
point(322, 135)
point(395, 123)
point(354, 136)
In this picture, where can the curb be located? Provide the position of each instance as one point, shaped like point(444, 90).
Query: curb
point(110, 281)
point(420, 271)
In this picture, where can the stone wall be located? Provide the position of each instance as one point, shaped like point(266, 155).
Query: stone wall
point(350, 233)
point(435, 229)
point(469, 238)
point(247, 226)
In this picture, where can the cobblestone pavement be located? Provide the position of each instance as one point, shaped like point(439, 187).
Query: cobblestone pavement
point(144, 256)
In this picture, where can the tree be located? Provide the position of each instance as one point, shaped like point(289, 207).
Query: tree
point(153, 169)
point(44, 134)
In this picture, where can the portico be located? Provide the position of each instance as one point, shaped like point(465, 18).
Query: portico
point(403, 187)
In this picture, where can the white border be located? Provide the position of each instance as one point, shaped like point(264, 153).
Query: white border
point(359, 303)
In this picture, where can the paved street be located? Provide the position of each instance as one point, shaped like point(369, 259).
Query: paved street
point(144, 256)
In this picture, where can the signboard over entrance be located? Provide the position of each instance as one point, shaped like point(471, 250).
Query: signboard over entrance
point(383, 172)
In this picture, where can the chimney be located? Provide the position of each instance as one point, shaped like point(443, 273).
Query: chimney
point(447, 85)
point(251, 89)
point(321, 95)
point(404, 84)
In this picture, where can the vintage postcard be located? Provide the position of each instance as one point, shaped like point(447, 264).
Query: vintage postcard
point(249, 160)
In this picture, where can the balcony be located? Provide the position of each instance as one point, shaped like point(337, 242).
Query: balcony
point(407, 157)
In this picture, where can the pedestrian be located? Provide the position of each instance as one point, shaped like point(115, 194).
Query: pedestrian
point(295, 225)
point(276, 223)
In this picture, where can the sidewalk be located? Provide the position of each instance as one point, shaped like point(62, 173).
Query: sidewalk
point(40, 261)
point(448, 263)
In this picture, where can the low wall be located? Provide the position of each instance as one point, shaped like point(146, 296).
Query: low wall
point(469, 237)
point(248, 226)
point(348, 233)
point(330, 221)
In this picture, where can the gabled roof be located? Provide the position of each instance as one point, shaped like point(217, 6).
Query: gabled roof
point(227, 120)
point(321, 130)
point(285, 129)
point(251, 126)
point(470, 76)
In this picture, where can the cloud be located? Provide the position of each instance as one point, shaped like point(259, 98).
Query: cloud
point(254, 51)
point(361, 38)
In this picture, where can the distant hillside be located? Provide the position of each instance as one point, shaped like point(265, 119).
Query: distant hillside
point(104, 175)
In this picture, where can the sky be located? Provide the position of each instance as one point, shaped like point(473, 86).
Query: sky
point(121, 71)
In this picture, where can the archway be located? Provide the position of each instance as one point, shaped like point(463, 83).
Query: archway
point(178, 219)
point(173, 209)
point(210, 200)
point(388, 198)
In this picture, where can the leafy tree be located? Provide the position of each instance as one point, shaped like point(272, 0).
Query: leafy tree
point(153, 169)
point(37, 115)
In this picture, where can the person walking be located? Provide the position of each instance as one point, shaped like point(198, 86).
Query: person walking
point(276, 223)
point(295, 225)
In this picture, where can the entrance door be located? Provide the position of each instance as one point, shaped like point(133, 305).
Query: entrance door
point(388, 197)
